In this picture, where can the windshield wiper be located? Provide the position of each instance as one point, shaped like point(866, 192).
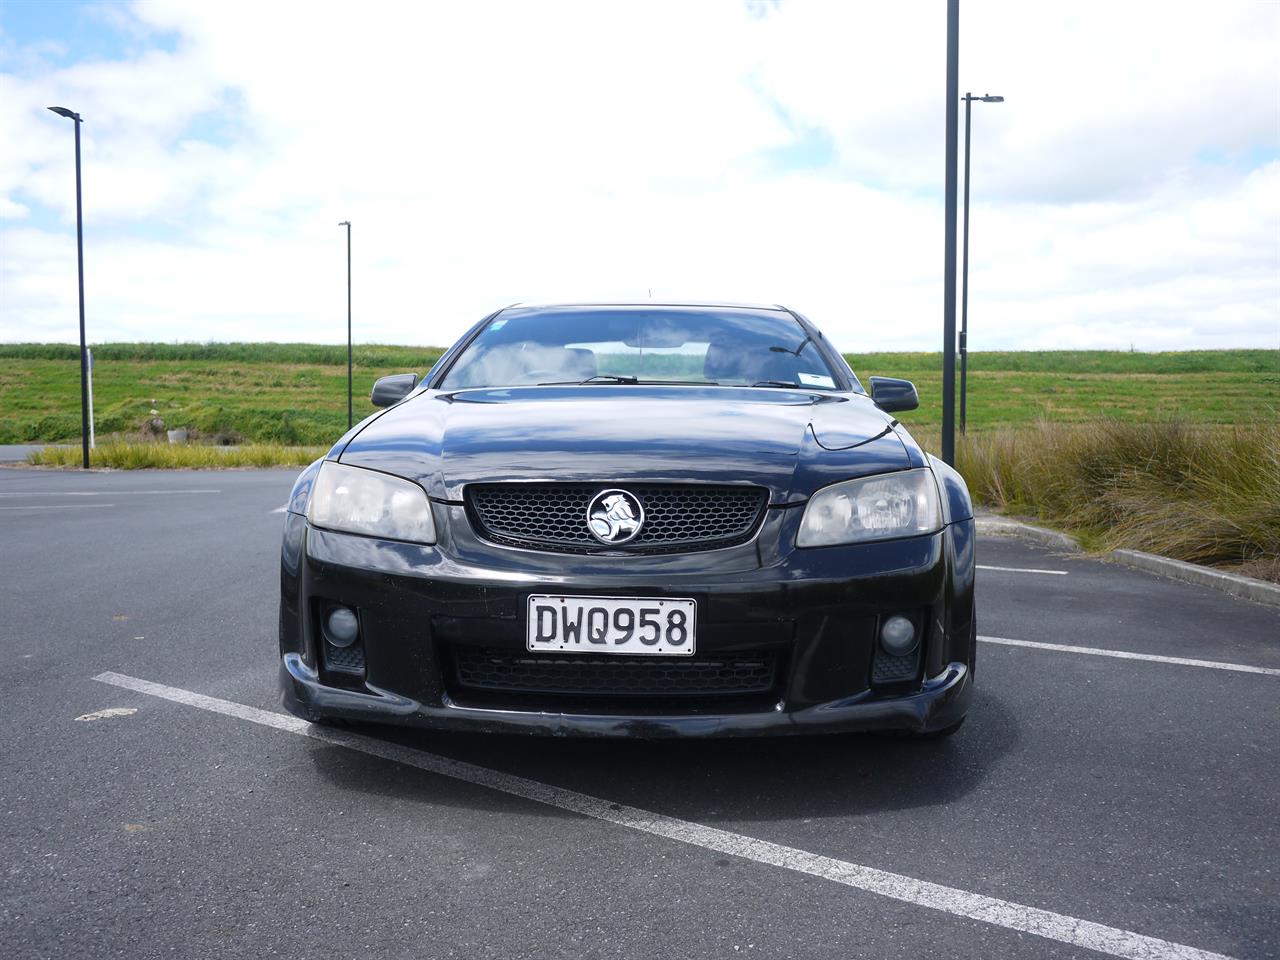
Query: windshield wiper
point(776, 383)
point(630, 380)
point(600, 378)
point(796, 352)
point(682, 383)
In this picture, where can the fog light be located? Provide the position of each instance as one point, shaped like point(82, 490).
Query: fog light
point(342, 627)
point(898, 636)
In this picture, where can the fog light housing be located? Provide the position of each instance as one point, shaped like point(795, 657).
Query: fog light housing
point(898, 636)
point(341, 627)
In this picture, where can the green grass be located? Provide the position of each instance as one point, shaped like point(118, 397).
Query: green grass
point(1010, 389)
point(364, 354)
point(141, 456)
point(295, 394)
point(1080, 361)
point(280, 400)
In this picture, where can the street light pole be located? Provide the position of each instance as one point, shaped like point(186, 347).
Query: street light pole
point(84, 354)
point(964, 288)
point(949, 243)
point(347, 224)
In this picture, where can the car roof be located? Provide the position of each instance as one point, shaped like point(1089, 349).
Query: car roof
point(651, 305)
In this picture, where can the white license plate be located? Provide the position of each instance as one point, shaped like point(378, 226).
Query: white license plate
point(656, 626)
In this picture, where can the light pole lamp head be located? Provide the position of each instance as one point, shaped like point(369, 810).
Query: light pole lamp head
point(991, 98)
point(345, 223)
point(64, 112)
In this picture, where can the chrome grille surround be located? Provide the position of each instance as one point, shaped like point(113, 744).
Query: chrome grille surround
point(679, 517)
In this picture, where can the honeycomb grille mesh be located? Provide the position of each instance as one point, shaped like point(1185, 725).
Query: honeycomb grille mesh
point(611, 676)
point(678, 517)
point(344, 659)
point(887, 669)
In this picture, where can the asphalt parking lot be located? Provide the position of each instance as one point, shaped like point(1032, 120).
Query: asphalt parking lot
point(1093, 803)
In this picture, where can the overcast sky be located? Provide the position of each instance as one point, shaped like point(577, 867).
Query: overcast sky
point(1126, 194)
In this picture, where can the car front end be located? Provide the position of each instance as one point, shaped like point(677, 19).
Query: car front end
point(630, 560)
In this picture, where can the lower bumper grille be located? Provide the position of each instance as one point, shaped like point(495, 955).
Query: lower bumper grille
point(344, 659)
point(887, 669)
point(616, 676)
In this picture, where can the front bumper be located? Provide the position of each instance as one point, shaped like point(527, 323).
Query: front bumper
point(817, 610)
point(940, 702)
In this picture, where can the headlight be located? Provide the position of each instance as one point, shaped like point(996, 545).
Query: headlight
point(874, 508)
point(375, 504)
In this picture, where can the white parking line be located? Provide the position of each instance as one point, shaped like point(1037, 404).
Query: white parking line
point(1127, 655)
point(1001, 913)
point(284, 509)
point(983, 566)
point(102, 493)
point(62, 506)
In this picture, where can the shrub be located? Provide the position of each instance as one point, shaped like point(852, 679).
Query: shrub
point(141, 456)
point(1206, 494)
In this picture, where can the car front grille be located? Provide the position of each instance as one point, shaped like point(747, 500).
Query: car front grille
point(587, 675)
point(553, 516)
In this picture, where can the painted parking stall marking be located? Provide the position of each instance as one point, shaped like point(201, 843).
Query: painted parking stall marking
point(62, 506)
point(101, 493)
point(983, 566)
point(1112, 941)
point(1127, 655)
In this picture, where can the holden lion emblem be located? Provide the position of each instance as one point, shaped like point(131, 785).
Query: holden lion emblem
point(614, 516)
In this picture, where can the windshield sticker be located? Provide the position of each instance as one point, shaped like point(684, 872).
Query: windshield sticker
point(498, 324)
point(816, 380)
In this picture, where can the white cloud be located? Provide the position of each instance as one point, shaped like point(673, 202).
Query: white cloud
point(1127, 192)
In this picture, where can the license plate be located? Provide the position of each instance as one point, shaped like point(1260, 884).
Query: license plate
point(653, 626)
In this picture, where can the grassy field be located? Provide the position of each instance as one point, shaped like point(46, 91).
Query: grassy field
point(295, 394)
point(1012, 389)
point(291, 394)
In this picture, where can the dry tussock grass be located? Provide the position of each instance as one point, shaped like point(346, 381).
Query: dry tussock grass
point(143, 456)
point(1206, 494)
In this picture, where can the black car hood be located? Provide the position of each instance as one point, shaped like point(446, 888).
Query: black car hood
point(790, 441)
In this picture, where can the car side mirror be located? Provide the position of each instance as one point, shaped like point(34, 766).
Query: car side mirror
point(892, 395)
point(392, 389)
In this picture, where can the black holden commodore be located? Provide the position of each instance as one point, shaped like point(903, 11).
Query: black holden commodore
point(632, 520)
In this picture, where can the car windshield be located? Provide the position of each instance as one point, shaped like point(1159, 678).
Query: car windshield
point(642, 345)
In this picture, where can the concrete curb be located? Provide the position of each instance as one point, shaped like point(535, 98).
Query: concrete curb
point(1233, 583)
point(1004, 527)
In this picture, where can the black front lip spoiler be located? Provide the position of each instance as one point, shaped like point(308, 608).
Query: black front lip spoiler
point(941, 702)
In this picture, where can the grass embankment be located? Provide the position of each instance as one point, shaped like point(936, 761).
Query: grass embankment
point(280, 393)
point(295, 394)
point(1078, 386)
point(1202, 494)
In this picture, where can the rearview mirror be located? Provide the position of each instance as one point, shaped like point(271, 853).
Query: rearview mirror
point(392, 389)
point(892, 395)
